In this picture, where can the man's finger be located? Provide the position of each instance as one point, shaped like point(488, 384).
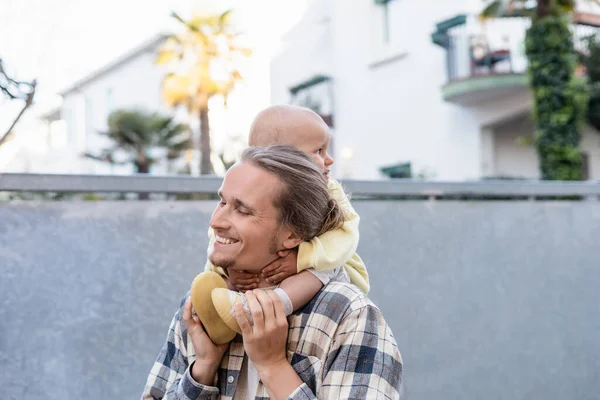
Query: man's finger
point(242, 320)
point(258, 319)
point(277, 304)
point(187, 310)
point(266, 304)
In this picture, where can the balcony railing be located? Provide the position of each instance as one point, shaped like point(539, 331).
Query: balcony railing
point(494, 47)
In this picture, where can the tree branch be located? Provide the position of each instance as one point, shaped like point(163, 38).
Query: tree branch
point(6, 82)
point(28, 103)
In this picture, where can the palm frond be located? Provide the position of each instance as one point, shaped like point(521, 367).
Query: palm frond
point(136, 132)
point(224, 19)
point(104, 157)
point(493, 10)
point(507, 8)
point(184, 22)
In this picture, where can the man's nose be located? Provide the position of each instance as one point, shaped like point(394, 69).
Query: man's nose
point(219, 219)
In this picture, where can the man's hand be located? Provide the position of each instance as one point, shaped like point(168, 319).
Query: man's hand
point(265, 340)
point(286, 265)
point(208, 354)
point(242, 280)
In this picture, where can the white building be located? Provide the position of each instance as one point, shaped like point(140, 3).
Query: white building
point(131, 81)
point(397, 99)
point(37, 143)
point(54, 141)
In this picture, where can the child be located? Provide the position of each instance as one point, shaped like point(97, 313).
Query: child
point(330, 256)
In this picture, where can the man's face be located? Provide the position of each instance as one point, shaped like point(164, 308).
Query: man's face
point(246, 224)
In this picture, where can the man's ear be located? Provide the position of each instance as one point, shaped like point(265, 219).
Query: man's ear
point(291, 240)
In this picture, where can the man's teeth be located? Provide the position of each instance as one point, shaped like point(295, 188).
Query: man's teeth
point(223, 240)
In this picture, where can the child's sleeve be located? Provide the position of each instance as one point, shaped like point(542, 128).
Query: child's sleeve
point(357, 271)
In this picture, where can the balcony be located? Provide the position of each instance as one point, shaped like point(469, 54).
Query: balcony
point(487, 60)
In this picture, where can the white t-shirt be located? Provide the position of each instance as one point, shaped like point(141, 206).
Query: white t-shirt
point(247, 381)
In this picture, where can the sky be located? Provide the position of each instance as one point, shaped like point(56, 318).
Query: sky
point(60, 41)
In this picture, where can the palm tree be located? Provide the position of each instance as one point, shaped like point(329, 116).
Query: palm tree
point(205, 58)
point(135, 133)
point(559, 98)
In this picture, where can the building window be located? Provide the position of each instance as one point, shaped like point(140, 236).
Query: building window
point(389, 29)
point(385, 19)
point(317, 95)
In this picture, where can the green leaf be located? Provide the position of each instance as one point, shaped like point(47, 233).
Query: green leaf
point(493, 10)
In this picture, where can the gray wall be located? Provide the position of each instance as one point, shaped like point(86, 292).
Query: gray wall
point(487, 300)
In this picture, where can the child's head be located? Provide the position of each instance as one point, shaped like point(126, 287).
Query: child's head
point(294, 126)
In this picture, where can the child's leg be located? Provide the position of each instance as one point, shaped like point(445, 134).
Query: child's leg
point(200, 294)
point(297, 290)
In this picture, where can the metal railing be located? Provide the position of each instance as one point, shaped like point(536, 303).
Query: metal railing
point(475, 49)
point(395, 188)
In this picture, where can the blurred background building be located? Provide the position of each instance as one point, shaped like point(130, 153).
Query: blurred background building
point(410, 89)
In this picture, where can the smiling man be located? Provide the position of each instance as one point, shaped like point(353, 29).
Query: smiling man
point(338, 346)
point(247, 233)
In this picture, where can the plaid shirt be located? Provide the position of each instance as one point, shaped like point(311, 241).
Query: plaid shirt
point(339, 344)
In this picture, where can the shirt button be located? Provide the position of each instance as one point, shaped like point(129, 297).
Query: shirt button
point(230, 379)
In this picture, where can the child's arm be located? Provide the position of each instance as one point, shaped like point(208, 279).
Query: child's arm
point(301, 288)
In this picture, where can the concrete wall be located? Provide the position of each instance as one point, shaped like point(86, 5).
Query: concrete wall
point(487, 300)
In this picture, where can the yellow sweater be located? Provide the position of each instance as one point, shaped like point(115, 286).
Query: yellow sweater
point(330, 250)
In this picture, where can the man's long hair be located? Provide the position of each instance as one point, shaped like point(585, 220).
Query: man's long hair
point(303, 203)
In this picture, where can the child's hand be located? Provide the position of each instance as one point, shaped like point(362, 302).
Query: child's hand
point(286, 265)
point(242, 280)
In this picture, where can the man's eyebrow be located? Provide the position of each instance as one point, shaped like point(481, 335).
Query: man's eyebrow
point(240, 203)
